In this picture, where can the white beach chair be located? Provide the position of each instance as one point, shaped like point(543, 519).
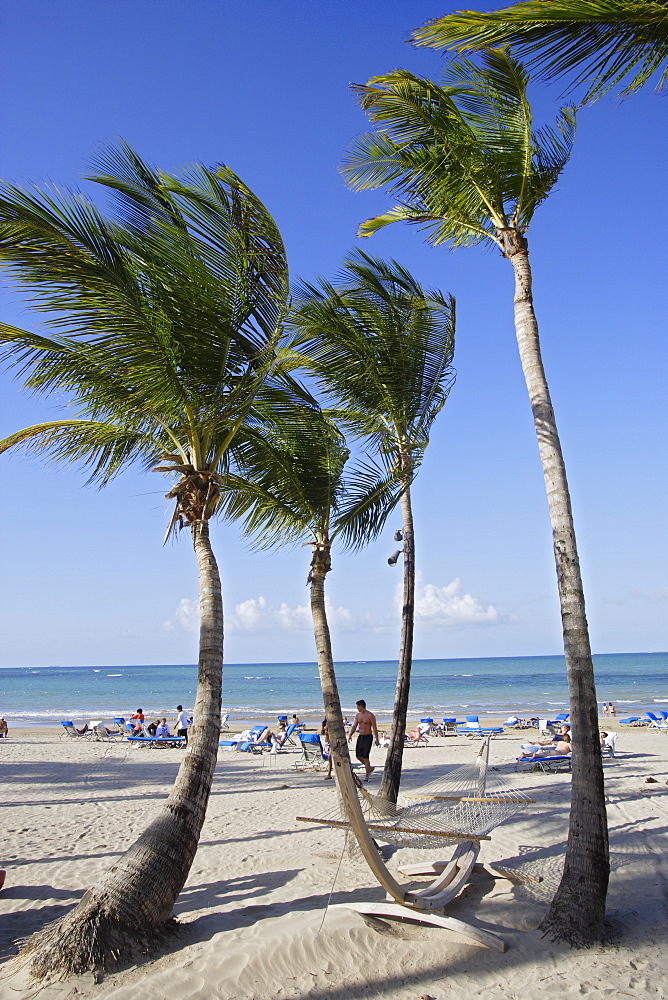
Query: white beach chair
point(71, 730)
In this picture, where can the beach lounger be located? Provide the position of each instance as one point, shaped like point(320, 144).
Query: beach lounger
point(249, 745)
point(449, 726)
point(72, 731)
point(100, 733)
point(653, 721)
point(157, 741)
point(421, 741)
point(224, 723)
point(551, 764)
point(473, 730)
point(313, 758)
point(632, 720)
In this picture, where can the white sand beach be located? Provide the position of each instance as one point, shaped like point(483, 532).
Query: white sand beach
point(253, 911)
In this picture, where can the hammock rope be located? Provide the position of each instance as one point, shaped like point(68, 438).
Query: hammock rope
point(465, 804)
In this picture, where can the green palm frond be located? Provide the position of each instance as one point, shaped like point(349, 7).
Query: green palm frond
point(287, 479)
point(598, 43)
point(370, 496)
point(464, 155)
point(293, 486)
point(102, 449)
point(163, 322)
point(381, 348)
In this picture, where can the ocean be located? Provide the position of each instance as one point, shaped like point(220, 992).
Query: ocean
point(525, 685)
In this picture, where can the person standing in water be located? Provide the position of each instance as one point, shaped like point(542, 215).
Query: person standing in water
point(365, 721)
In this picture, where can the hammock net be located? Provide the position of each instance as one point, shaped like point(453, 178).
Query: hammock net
point(464, 804)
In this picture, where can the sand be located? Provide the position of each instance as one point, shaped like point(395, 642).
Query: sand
point(255, 924)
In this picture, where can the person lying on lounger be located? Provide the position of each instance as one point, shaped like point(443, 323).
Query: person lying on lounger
point(559, 747)
point(419, 734)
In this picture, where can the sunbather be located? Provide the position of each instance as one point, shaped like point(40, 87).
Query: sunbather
point(547, 748)
point(419, 733)
point(4, 731)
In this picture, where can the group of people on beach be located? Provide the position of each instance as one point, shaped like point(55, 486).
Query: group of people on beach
point(159, 728)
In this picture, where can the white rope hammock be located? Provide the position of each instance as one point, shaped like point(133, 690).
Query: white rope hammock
point(465, 804)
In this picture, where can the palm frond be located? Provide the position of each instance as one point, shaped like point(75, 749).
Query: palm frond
point(164, 321)
point(370, 496)
point(102, 449)
point(381, 348)
point(598, 43)
point(464, 155)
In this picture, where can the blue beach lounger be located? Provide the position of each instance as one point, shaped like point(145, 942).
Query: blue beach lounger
point(157, 741)
point(472, 728)
point(313, 758)
point(556, 762)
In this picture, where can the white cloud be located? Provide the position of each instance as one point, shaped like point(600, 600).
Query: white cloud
point(257, 615)
point(652, 596)
point(440, 606)
point(186, 616)
point(434, 606)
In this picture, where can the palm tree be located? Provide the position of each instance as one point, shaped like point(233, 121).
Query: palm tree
point(472, 169)
point(597, 44)
point(296, 489)
point(164, 322)
point(382, 349)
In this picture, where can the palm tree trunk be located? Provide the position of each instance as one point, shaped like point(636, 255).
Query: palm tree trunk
point(130, 908)
point(578, 908)
point(389, 787)
point(320, 566)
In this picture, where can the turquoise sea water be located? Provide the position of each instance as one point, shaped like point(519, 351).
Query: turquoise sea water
point(527, 685)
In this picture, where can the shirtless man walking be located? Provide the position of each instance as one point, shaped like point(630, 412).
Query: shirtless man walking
point(368, 732)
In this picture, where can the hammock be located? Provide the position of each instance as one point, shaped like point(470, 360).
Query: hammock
point(465, 804)
point(457, 808)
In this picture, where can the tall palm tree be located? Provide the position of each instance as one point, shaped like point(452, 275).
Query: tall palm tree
point(382, 349)
point(163, 328)
point(472, 169)
point(295, 489)
point(597, 44)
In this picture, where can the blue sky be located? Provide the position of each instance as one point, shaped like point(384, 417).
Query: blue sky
point(263, 85)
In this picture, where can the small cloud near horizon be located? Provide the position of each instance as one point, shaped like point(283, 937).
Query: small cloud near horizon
point(652, 596)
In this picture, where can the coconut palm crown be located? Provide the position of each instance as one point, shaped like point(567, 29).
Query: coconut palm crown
point(595, 43)
point(464, 155)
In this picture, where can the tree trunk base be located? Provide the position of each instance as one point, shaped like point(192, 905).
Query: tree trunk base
point(571, 933)
point(90, 938)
